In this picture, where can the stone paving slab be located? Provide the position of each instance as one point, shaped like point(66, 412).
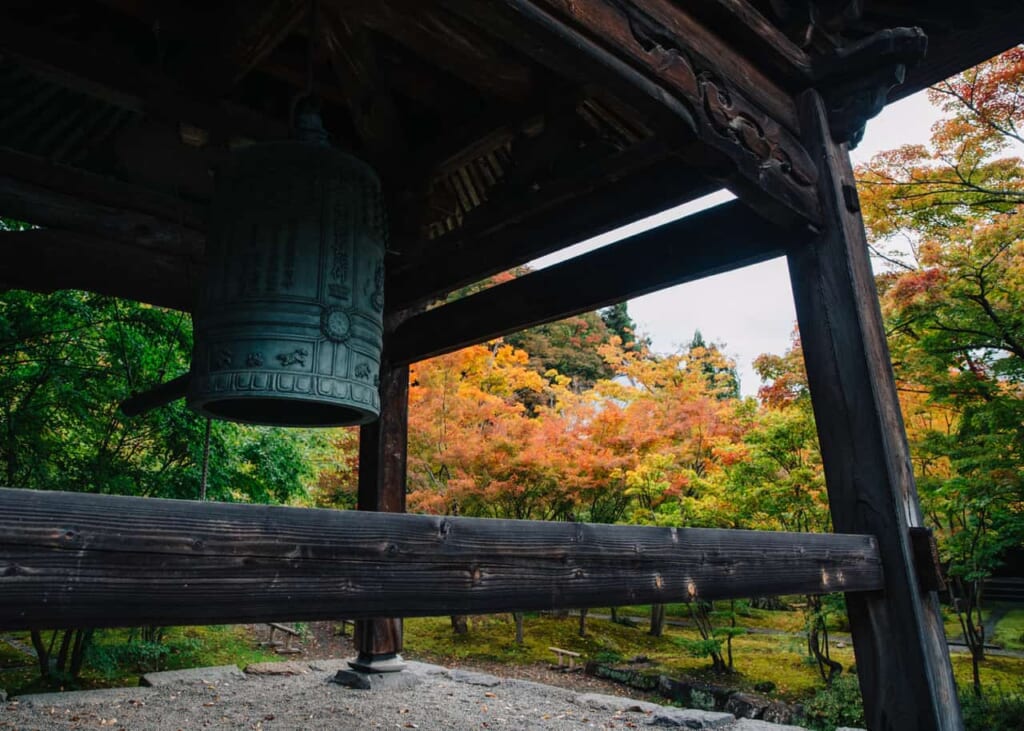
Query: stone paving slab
point(691, 718)
point(213, 674)
point(752, 724)
point(289, 667)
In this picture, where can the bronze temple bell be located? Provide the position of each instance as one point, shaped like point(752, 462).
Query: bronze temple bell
point(288, 325)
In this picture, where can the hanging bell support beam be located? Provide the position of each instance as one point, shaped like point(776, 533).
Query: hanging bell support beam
point(81, 560)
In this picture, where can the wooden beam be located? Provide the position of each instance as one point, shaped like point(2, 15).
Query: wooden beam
point(756, 37)
point(902, 659)
point(507, 233)
point(372, 109)
point(79, 560)
point(959, 46)
point(140, 403)
point(260, 28)
point(59, 196)
point(45, 260)
point(124, 83)
point(448, 43)
point(658, 59)
point(713, 241)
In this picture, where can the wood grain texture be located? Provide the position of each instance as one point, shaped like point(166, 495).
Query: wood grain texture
point(902, 659)
point(719, 239)
point(738, 111)
point(383, 454)
point(70, 559)
point(644, 57)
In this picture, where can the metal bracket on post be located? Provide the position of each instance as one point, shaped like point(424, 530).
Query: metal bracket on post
point(926, 559)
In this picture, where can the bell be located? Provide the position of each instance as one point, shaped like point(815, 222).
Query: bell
point(288, 324)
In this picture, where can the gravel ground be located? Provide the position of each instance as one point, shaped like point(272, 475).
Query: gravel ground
point(437, 699)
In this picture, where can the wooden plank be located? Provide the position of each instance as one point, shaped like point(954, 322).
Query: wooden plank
point(48, 194)
point(97, 72)
point(590, 202)
point(101, 189)
point(45, 260)
point(902, 659)
point(79, 560)
point(448, 43)
point(709, 242)
point(756, 37)
point(646, 57)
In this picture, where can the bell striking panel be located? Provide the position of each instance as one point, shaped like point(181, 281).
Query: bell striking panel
point(288, 326)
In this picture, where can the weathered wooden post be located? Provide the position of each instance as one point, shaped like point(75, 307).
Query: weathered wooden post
point(382, 466)
point(902, 659)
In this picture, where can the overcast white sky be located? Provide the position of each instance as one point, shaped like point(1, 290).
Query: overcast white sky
point(750, 310)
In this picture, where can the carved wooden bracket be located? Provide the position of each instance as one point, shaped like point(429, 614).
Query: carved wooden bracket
point(855, 80)
point(738, 112)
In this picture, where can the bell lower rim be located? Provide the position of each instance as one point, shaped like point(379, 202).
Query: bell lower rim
point(291, 411)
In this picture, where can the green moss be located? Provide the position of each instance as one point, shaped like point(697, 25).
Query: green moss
point(113, 661)
point(996, 672)
point(758, 657)
point(13, 658)
point(1010, 630)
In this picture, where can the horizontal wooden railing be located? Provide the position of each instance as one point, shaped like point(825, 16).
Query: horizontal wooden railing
point(70, 559)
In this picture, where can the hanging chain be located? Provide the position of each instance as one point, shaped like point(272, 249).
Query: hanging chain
point(206, 461)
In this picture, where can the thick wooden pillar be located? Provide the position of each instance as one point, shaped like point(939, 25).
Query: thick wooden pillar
point(382, 465)
point(902, 658)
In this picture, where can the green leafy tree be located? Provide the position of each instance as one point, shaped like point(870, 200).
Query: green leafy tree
point(947, 217)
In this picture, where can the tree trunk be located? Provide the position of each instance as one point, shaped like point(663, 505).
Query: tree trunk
point(583, 623)
point(518, 617)
point(817, 641)
point(82, 640)
point(657, 620)
point(42, 654)
point(728, 639)
point(615, 615)
point(459, 624)
point(65, 646)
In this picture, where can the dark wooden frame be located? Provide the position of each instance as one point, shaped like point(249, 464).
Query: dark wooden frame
point(729, 98)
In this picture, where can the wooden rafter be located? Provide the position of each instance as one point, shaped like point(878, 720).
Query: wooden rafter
point(45, 260)
point(372, 109)
point(448, 43)
point(122, 82)
point(717, 240)
point(58, 196)
point(651, 60)
point(587, 203)
point(261, 28)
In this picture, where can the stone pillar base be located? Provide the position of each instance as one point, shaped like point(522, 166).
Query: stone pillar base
point(375, 664)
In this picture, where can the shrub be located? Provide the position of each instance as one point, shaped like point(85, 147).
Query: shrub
point(997, 711)
point(838, 705)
